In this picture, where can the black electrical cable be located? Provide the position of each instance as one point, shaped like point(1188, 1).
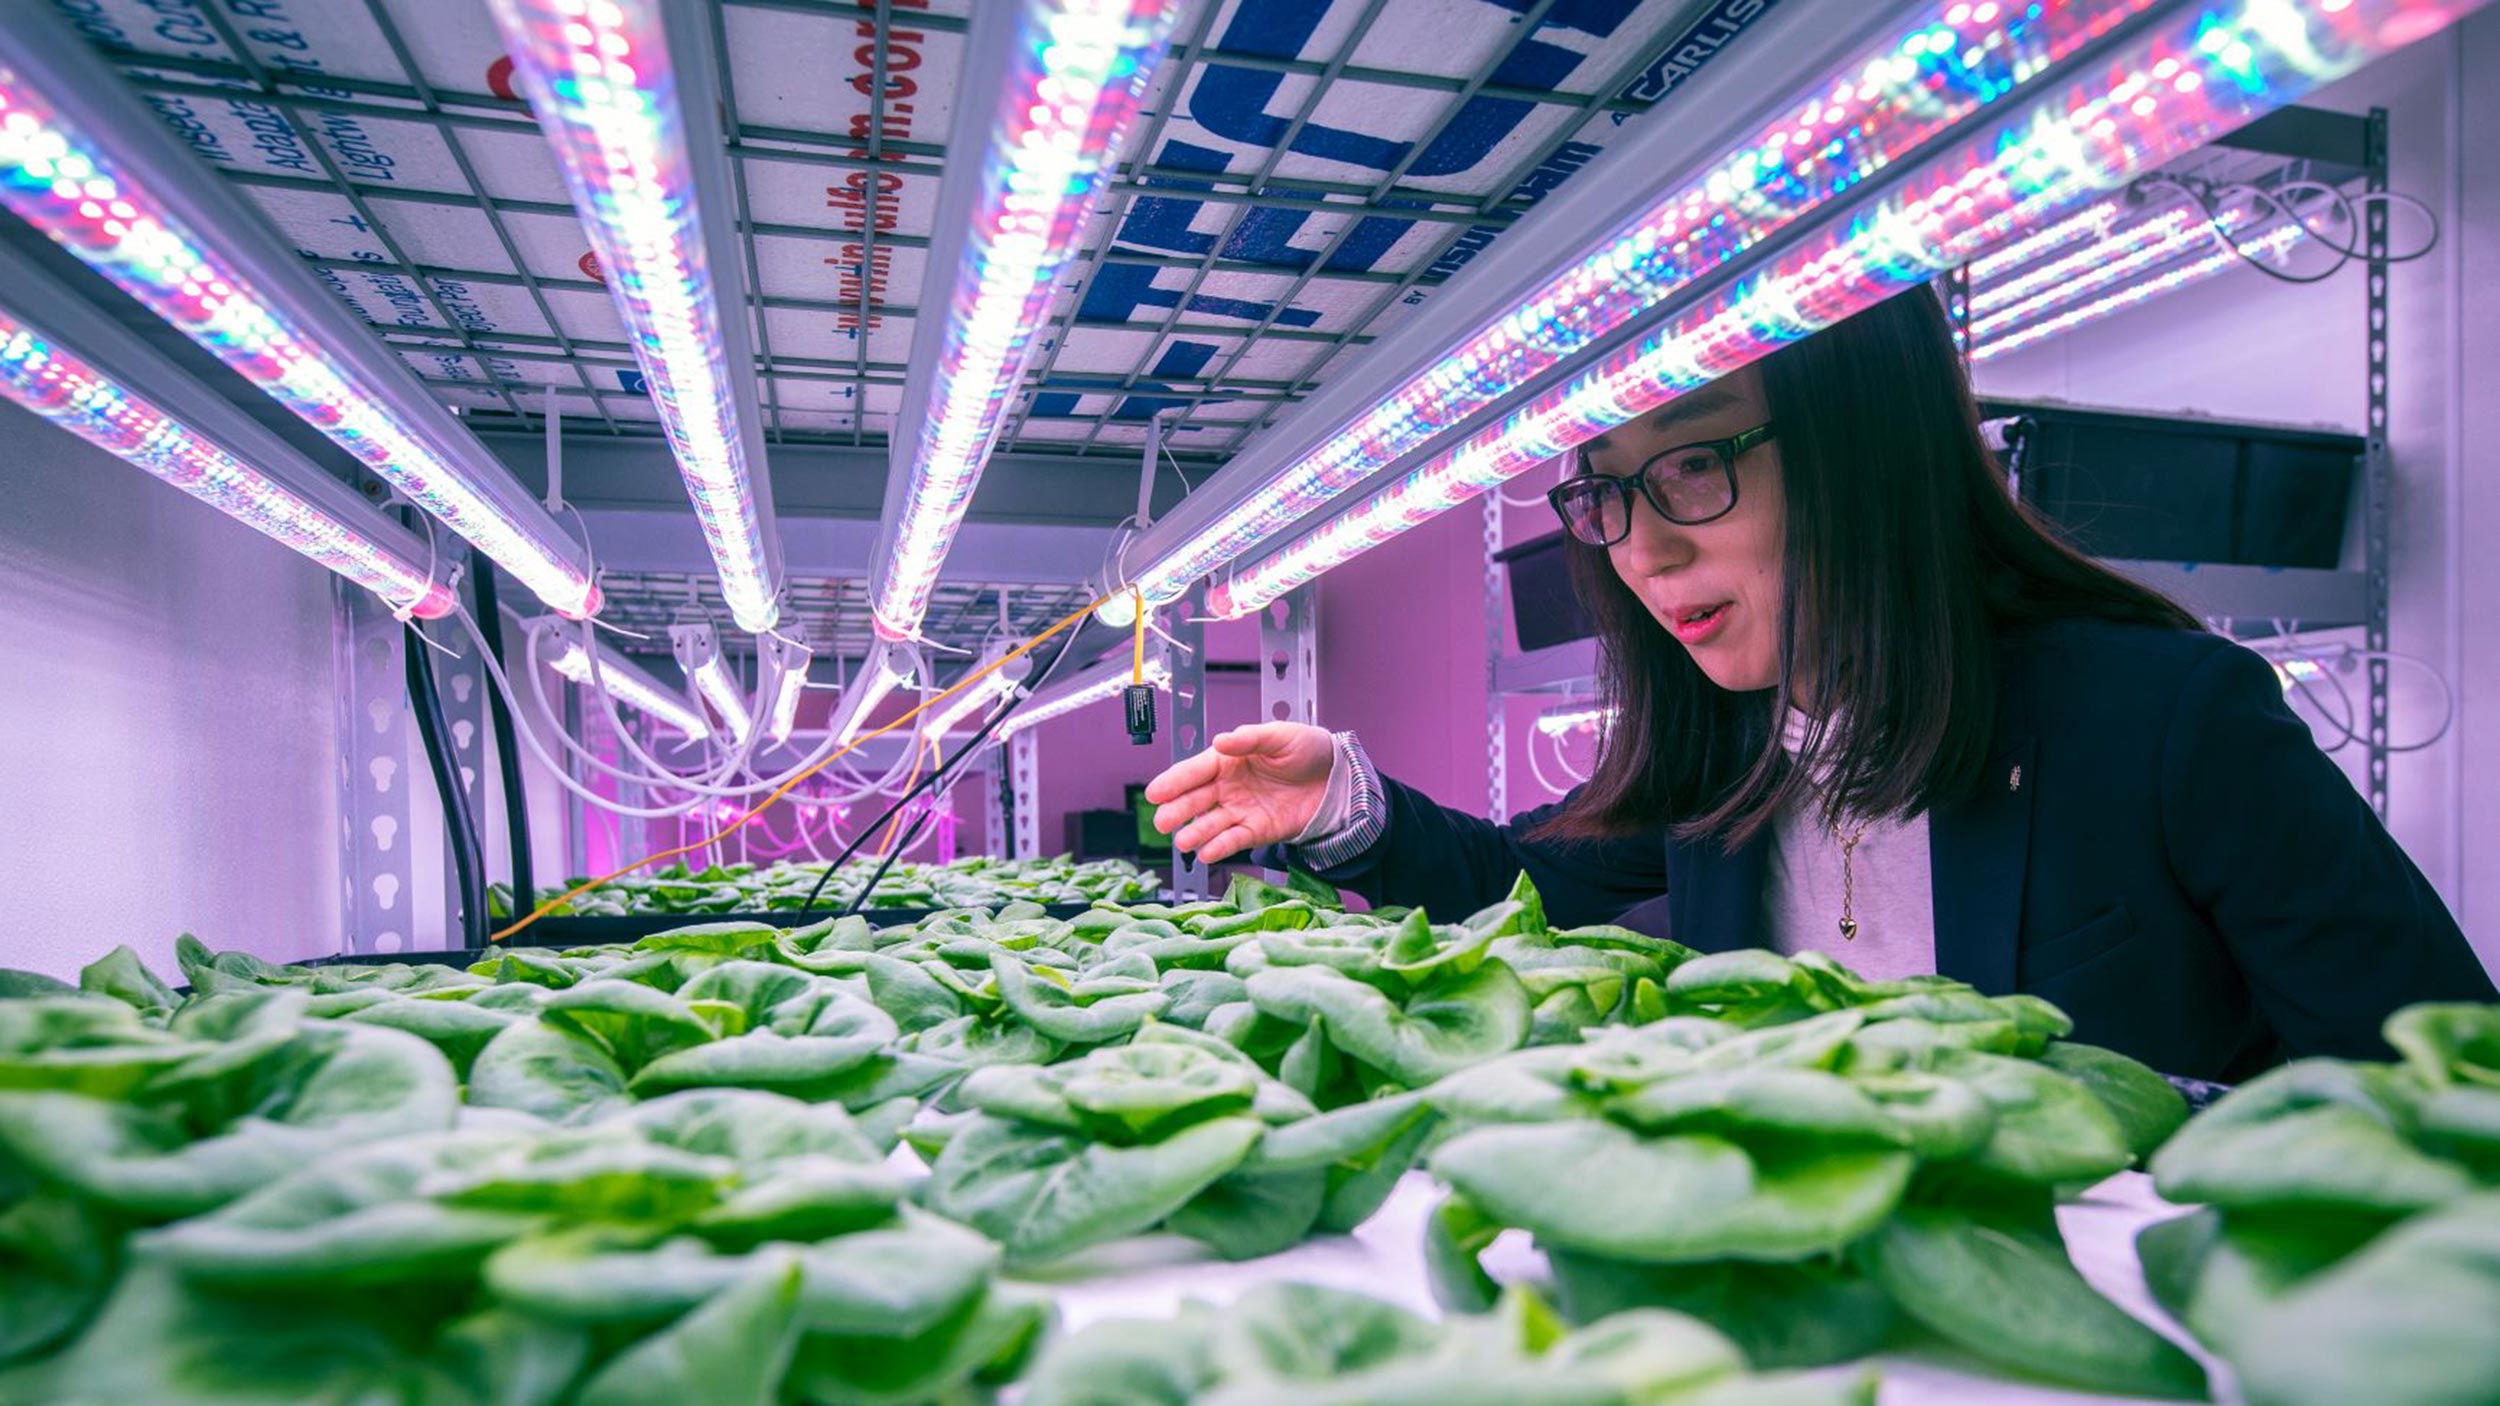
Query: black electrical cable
point(944, 768)
point(918, 824)
point(460, 825)
point(516, 813)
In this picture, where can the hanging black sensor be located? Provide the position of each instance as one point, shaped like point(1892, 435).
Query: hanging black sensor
point(1140, 698)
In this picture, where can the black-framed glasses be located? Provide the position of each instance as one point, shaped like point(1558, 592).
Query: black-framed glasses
point(1688, 485)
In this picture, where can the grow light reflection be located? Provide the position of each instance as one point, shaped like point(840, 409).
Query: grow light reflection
point(600, 80)
point(2084, 138)
point(1573, 717)
point(2276, 244)
point(1078, 71)
point(1956, 60)
point(63, 181)
point(54, 383)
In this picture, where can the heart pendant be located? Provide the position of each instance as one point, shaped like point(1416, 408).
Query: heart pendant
point(1848, 929)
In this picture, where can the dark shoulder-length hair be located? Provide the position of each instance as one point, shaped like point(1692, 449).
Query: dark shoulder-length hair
point(1906, 560)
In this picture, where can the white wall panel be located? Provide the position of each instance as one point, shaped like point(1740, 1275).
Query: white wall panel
point(167, 751)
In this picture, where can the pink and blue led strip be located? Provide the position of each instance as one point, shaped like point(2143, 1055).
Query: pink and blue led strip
point(600, 80)
point(1958, 59)
point(1073, 85)
point(57, 385)
point(62, 181)
point(2177, 88)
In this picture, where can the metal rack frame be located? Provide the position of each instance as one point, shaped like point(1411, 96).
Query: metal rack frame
point(2352, 144)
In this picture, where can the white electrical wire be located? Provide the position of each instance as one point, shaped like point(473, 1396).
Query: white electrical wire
point(494, 671)
point(1561, 759)
point(2338, 659)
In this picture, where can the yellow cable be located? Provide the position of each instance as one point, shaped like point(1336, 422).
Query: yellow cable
point(785, 788)
point(1138, 598)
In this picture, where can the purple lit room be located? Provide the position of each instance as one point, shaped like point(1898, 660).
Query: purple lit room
point(1249, 702)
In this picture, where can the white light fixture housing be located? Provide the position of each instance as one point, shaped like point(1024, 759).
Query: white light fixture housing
point(786, 657)
point(697, 647)
point(889, 665)
point(560, 648)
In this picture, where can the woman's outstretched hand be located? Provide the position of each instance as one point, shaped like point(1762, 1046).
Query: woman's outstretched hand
point(1258, 785)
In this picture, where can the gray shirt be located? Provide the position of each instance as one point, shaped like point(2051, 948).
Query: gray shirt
point(1802, 888)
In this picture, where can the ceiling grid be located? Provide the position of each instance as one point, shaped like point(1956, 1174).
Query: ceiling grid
point(1303, 171)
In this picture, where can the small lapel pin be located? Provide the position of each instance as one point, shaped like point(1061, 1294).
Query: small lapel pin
point(2014, 779)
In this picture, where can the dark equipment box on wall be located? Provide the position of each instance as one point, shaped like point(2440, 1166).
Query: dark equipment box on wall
point(2180, 489)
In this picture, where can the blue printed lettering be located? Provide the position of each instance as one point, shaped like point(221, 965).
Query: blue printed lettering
point(92, 23)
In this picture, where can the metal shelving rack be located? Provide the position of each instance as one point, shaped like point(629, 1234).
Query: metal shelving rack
point(2342, 147)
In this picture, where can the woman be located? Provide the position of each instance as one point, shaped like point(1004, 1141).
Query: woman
point(1865, 705)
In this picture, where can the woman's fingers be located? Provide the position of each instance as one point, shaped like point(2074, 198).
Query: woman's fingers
point(1255, 740)
point(1179, 811)
point(1184, 776)
point(1224, 846)
point(1203, 828)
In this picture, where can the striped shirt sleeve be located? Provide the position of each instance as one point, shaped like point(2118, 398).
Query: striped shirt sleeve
point(1345, 828)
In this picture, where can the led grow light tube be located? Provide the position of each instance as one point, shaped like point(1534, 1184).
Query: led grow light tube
point(697, 648)
point(625, 681)
point(2275, 243)
point(625, 92)
point(1952, 60)
point(1068, 75)
point(78, 368)
point(1104, 680)
point(84, 160)
point(2226, 64)
point(785, 679)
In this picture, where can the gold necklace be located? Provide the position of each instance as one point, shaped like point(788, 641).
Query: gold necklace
point(1849, 878)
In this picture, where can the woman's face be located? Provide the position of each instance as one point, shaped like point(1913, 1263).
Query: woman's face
point(1715, 587)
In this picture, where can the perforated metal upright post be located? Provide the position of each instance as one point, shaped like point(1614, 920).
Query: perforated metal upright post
point(1002, 800)
point(1185, 624)
point(1289, 657)
point(1496, 711)
point(376, 872)
point(1024, 792)
point(576, 810)
point(460, 681)
point(2377, 472)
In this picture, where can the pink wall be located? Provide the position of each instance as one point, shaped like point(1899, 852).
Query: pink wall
point(1401, 657)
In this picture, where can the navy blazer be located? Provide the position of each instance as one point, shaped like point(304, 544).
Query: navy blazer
point(2160, 849)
